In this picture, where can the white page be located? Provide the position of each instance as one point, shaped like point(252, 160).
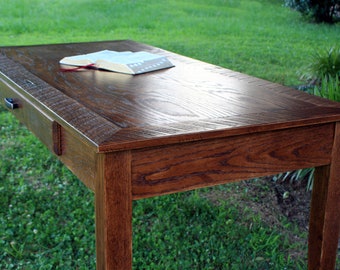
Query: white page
point(131, 58)
point(101, 55)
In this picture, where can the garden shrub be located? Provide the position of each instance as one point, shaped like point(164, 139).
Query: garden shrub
point(327, 11)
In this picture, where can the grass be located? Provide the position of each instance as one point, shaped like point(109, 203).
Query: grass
point(44, 223)
point(46, 214)
point(261, 38)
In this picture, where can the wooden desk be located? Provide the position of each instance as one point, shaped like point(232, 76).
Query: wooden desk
point(191, 126)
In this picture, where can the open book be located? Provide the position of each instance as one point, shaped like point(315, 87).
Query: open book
point(123, 62)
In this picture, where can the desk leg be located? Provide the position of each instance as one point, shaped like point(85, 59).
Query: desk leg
point(324, 224)
point(113, 199)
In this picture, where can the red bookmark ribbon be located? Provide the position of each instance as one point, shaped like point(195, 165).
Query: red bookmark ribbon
point(90, 66)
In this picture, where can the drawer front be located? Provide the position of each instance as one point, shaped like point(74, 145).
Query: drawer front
point(45, 128)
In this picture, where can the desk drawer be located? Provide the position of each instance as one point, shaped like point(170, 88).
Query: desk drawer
point(43, 126)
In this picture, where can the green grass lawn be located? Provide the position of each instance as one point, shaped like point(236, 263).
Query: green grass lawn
point(261, 38)
point(47, 215)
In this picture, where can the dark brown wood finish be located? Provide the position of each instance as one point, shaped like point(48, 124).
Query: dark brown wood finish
point(194, 125)
point(325, 214)
point(114, 211)
point(181, 102)
point(186, 166)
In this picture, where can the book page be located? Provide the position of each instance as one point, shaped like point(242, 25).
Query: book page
point(131, 58)
point(124, 62)
point(90, 58)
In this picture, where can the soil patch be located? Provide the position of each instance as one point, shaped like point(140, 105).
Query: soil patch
point(271, 200)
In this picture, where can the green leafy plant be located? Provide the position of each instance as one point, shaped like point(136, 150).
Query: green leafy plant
point(324, 64)
point(329, 88)
point(297, 176)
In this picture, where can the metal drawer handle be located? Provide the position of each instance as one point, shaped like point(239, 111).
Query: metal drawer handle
point(10, 103)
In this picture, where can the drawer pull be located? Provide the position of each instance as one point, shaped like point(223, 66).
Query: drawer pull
point(10, 103)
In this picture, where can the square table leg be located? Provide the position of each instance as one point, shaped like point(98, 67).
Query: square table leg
point(113, 199)
point(324, 225)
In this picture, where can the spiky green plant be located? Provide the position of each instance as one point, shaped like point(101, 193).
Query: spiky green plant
point(329, 88)
point(324, 64)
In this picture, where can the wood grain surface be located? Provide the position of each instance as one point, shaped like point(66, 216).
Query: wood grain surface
point(189, 102)
point(113, 200)
point(187, 166)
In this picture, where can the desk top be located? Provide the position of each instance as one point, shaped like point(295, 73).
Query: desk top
point(189, 102)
